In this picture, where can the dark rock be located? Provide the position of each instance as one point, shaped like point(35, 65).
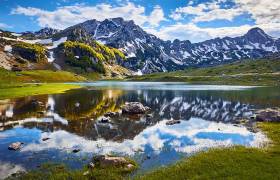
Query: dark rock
point(172, 122)
point(268, 115)
point(134, 108)
point(76, 150)
point(45, 139)
point(15, 146)
point(104, 120)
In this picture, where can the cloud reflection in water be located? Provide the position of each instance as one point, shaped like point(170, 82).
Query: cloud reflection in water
point(188, 137)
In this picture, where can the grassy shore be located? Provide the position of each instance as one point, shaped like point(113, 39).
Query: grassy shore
point(60, 171)
point(35, 89)
point(257, 72)
point(18, 84)
point(230, 163)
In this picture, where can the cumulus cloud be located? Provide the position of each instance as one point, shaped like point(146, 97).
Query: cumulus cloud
point(264, 12)
point(192, 32)
point(66, 16)
point(207, 12)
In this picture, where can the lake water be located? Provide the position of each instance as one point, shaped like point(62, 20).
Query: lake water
point(208, 115)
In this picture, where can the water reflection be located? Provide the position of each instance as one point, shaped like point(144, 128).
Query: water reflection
point(71, 121)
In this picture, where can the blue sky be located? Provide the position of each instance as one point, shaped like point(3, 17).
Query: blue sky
point(195, 20)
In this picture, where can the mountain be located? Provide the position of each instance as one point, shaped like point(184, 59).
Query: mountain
point(149, 54)
point(146, 53)
point(43, 33)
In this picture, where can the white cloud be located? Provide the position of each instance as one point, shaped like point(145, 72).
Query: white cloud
point(263, 11)
point(3, 25)
point(206, 12)
point(194, 33)
point(66, 16)
point(156, 137)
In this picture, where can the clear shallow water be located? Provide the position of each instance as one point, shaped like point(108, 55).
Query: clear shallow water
point(207, 115)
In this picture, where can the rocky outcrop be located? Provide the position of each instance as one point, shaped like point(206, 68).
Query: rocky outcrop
point(134, 108)
point(268, 115)
point(15, 146)
point(172, 122)
point(31, 52)
point(105, 161)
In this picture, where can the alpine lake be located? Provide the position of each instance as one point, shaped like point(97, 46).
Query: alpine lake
point(67, 128)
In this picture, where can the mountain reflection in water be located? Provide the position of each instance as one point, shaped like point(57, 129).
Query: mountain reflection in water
point(70, 120)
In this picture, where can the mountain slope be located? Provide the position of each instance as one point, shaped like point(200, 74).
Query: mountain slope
point(145, 53)
point(151, 54)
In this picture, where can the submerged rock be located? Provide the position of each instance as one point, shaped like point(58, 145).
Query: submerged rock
point(268, 115)
point(76, 150)
point(109, 161)
point(15, 146)
point(134, 108)
point(172, 122)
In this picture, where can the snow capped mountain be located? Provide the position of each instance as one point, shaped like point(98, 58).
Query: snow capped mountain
point(43, 33)
point(147, 53)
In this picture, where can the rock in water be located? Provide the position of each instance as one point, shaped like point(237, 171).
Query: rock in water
point(172, 122)
point(134, 108)
point(104, 120)
point(268, 115)
point(15, 146)
point(109, 161)
point(45, 139)
point(76, 150)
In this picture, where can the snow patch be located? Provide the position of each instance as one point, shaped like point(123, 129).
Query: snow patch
point(8, 48)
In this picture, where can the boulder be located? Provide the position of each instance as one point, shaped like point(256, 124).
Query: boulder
point(45, 139)
point(76, 150)
point(172, 122)
point(104, 120)
point(134, 108)
point(109, 161)
point(15, 146)
point(268, 115)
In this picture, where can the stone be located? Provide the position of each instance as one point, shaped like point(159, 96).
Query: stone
point(76, 150)
point(45, 139)
point(104, 120)
point(172, 122)
point(268, 115)
point(15, 146)
point(134, 108)
point(91, 165)
point(109, 161)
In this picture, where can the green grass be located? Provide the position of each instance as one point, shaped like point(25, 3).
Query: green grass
point(230, 163)
point(257, 72)
point(14, 84)
point(59, 172)
point(35, 89)
point(9, 79)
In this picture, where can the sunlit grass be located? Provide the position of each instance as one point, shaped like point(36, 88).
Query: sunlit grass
point(230, 163)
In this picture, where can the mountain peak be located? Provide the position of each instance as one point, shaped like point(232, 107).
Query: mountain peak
point(257, 32)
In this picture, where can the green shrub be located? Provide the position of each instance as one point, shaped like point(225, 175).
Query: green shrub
point(33, 52)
